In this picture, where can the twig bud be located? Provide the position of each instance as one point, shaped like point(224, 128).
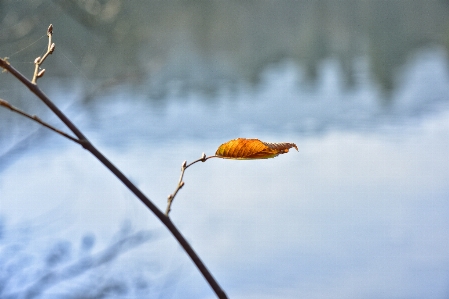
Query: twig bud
point(37, 60)
point(170, 197)
point(184, 164)
point(50, 30)
point(181, 185)
point(5, 104)
point(203, 158)
point(41, 73)
point(52, 48)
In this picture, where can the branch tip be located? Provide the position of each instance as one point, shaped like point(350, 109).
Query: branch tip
point(50, 30)
point(4, 103)
point(39, 60)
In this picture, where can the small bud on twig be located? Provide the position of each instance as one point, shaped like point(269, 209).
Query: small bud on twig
point(5, 104)
point(181, 183)
point(41, 73)
point(50, 30)
point(37, 60)
point(52, 48)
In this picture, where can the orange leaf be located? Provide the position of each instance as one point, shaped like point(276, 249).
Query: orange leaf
point(245, 149)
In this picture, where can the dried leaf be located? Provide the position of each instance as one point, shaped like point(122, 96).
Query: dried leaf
point(246, 149)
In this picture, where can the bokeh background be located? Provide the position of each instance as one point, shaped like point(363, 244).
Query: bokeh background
point(360, 211)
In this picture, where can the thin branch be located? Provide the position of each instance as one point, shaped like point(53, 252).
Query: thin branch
point(181, 183)
point(38, 61)
point(94, 151)
point(35, 118)
point(202, 159)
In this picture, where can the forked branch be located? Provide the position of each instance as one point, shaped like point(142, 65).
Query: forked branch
point(181, 183)
point(38, 120)
point(39, 60)
point(32, 86)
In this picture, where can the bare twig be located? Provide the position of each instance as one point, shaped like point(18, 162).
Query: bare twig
point(39, 60)
point(184, 166)
point(35, 118)
point(31, 85)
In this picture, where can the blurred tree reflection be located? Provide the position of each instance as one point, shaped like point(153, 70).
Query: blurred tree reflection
point(203, 44)
point(25, 274)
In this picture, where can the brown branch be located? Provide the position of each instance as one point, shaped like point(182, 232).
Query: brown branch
point(184, 166)
point(35, 118)
point(94, 151)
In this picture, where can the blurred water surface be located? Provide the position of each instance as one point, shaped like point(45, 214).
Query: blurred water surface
point(360, 211)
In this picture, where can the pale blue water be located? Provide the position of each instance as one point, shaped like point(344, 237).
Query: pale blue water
point(360, 211)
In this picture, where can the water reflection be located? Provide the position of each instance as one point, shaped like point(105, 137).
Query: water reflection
point(279, 105)
point(205, 44)
point(353, 214)
point(359, 212)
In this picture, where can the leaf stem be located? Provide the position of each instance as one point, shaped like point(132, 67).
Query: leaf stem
point(181, 183)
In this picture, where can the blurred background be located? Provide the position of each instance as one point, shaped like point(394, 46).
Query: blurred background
point(360, 211)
